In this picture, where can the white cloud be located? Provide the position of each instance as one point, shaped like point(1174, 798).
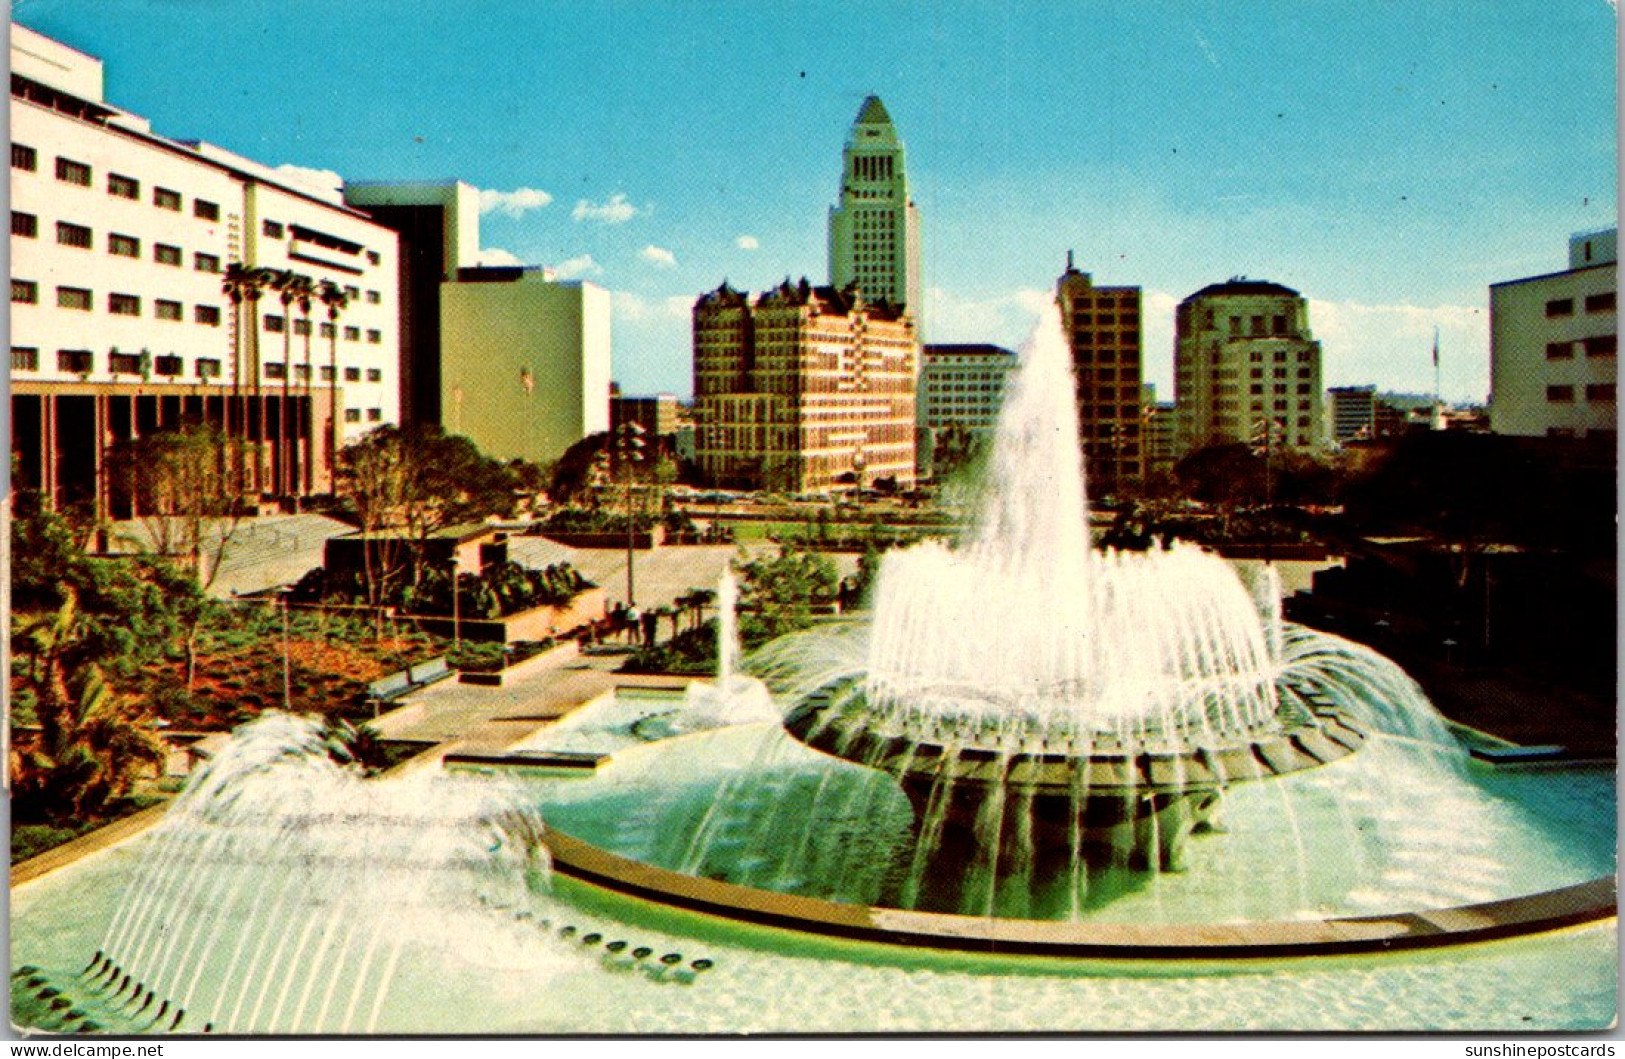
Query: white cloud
point(658, 256)
point(496, 256)
point(654, 342)
point(1002, 319)
point(615, 211)
point(576, 267)
point(515, 203)
point(635, 307)
point(747, 242)
point(322, 180)
point(1392, 346)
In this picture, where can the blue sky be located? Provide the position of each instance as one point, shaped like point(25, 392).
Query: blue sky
point(1388, 159)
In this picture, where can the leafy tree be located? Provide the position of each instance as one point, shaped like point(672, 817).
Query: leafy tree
point(958, 451)
point(81, 630)
point(407, 485)
point(778, 592)
point(573, 472)
point(181, 482)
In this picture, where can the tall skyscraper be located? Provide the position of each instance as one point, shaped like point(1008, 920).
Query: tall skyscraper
point(1103, 329)
point(874, 234)
point(1246, 368)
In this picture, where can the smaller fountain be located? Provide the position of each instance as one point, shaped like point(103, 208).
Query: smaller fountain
point(734, 698)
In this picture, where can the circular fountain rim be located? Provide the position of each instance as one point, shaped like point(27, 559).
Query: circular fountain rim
point(1535, 913)
point(1325, 735)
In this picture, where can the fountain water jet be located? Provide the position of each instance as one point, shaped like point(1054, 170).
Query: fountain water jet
point(1036, 698)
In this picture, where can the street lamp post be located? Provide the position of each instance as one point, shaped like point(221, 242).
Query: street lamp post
point(456, 609)
point(287, 669)
point(1268, 428)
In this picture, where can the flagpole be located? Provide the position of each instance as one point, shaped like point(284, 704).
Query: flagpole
point(1438, 387)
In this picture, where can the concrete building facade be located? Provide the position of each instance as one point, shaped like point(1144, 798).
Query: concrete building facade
point(439, 226)
point(1554, 346)
point(963, 385)
point(657, 415)
point(1102, 327)
point(874, 231)
point(804, 389)
point(1247, 369)
point(524, 361)
point(120, 324)
point(1158, 437)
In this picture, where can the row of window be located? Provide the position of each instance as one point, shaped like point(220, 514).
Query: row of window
point(83, 362)
point(70, 171)
point(1594, 303)
point(301, 372)
point(26, 292)
point(277, 325)
point(1596, 346)
point(26, 226)
point(80, 237)
point(1595, 391)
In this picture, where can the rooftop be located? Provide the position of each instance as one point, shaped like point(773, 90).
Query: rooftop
point(968, 349)
point(1241, 286)
point(873, 113)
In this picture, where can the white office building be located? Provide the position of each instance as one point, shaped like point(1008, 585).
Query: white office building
point(524, 361)
point(507, 356)
point(120, 325)
point(963, 385)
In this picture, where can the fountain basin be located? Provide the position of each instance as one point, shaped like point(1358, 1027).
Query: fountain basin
point(1566, 906)
point(1107, 802)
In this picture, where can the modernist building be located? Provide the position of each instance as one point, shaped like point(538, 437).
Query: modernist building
point(1102, 326)
point(505, 356)
point(1360, 414)
point(1553, 346)
point(1159, 443)
point(656, 416)
point(121, 240)
point(524, 361)
point(804, 389)
point(963, 385)
point(874, 233)
point(1246, 368)
point(439, 226)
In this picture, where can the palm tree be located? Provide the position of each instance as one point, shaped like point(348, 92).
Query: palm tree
point(333, 296)
point(305, 294)
point(91, 745)
point(245, 284)
point(292, 288)
point(236, 283)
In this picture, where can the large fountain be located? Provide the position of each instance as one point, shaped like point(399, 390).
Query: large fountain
point(1029, 691)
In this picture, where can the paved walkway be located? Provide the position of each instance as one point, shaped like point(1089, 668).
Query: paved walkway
point(658, 576)
point(90, 842)
point(469, 718)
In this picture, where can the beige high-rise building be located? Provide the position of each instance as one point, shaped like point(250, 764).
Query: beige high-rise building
point(1246, 368)
point(524, 361)
point(874, 233)
point(804, 389)
point(1102, 326)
